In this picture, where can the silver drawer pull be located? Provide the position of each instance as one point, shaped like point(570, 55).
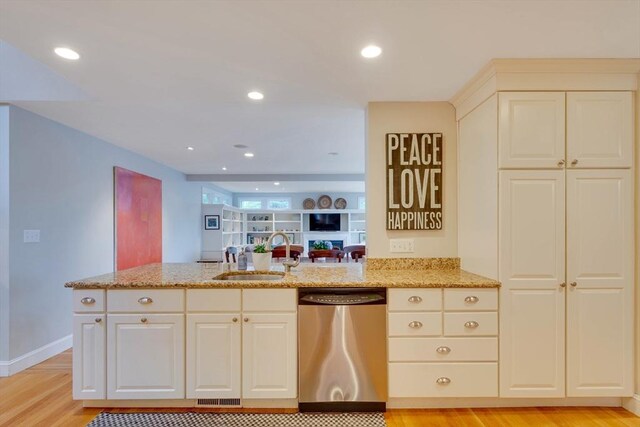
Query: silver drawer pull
point(415, 324)
point(443, 350)
point(143, 320)
point(471, 299)
point(415, 298)
point(98, 320)
point(145, 300)
point(88, 300)
point(443, 380)
point(472, 324)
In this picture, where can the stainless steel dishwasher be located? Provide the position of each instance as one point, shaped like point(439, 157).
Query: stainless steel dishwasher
point(342, 349)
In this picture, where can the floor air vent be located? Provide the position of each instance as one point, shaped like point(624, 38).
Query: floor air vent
point(218, 402)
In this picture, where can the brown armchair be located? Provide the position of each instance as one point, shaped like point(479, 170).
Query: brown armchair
point(357, 252)
point(294, 251)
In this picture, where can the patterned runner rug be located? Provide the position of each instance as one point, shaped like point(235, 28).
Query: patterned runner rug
point(200, 419)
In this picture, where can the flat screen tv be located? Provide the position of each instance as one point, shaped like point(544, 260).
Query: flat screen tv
point(324, 222)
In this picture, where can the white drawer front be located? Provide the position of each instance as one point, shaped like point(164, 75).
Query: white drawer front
point(471, 324)
point(415, 324)
point(415, 299)
point(269, 300)
point(210, 300)
point(470, 299)
point(443, 380)
point(145, 300)
point(443, 349)
point(88, 300)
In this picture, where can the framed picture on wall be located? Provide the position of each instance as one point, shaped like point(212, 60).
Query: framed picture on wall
point(212, 222)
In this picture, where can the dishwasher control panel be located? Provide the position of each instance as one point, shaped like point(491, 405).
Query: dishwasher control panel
point(355, 296)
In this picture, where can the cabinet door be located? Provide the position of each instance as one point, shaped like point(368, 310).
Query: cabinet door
point(599, 129)
point(145, 356)
point(600, 272)
point(531, 131)
point(89, 354)
point(213, 356)
point(531, 263)
point(269, 356)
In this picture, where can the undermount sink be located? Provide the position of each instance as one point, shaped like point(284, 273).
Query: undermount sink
point(258, 276)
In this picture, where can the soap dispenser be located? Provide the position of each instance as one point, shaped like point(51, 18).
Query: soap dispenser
point(242, 260)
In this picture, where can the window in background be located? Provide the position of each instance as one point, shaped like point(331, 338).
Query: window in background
point(211, 197)
point(362, 202)
point(273, 203)
point(280, 203)
point(250, 204)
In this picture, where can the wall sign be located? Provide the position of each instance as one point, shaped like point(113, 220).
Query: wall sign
point(414, 181)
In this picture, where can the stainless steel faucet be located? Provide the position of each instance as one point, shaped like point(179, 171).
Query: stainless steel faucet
point(287, 262)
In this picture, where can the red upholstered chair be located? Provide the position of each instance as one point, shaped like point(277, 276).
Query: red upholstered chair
point(294, 250)
point(325, 253)
point(357, 252)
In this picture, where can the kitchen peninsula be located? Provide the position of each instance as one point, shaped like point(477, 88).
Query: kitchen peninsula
point(175, 335)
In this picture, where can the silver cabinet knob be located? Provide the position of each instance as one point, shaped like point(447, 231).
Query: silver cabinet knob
point(415, 298)
point(443, 380)
point(561, 163)
point(98, 320)
point(574, 162)
point(415, 324)
point(88, 300)
point(443, 350)
point(573, 284)
point(563, 285)
point(235, 319)
point(143, 320)
point(246, 319)
point(472, 324)
point(145, 300)
point(471, 299)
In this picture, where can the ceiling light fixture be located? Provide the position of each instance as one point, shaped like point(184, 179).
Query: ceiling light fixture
point(333, 153)
point(240, 146)
point(255, 95)
point(190, 148)
point(224, 168)
point(248, 154)
point(66, 53)
point(276, 183)
point(257, 189)
point(371, 51)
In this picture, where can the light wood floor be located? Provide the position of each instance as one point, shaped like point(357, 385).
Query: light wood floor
point(41, 396)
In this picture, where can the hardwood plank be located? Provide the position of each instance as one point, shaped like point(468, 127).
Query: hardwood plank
point(41, 396)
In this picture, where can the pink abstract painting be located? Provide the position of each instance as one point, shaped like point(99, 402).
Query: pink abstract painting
point(138, 225)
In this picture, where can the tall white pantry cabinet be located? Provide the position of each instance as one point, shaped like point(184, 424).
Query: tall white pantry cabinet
point(549, 172)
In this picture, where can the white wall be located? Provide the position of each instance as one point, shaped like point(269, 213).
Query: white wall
point(395, 117)
point(4, 232)
point(298, 198)
point(61, 183)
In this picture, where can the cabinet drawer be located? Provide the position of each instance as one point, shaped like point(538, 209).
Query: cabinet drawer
point(415, 299)
point(145, 300)
point(269, 300)
point(88, 300)
point(443, 349)
point(443, 380)
point(415, 324)
point(221, 300)
point(470, 324)
point(470, 299)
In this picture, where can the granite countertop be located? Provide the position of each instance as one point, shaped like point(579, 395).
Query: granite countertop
point(167, 276)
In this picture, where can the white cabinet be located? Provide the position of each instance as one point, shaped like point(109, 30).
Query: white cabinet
point(213, 356)
point(599, 129)
point(145, 356)
point(532, 271)
point(531, 129)
point(269, 355)
point(89, 373)
point(600, 274)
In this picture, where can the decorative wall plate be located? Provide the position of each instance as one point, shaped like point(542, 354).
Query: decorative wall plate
point(340, 203)
point(309, 204)
point(324, 202)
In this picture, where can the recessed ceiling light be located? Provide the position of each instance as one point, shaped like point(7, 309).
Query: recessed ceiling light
point(333, 153)
point(248, 154)
point(67, 53)
point(371, 51)
point(190, 148)
point(224, 168)
point(256, 96)
point(276, 183)
point(241, 146)
point(257, 189)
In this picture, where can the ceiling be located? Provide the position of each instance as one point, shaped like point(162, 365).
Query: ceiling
point(158, 76)
point(294, 187)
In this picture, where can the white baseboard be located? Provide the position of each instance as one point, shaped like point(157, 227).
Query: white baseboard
point(20, 363)
point(497, 402)
point(187, 403)
point(632, 404)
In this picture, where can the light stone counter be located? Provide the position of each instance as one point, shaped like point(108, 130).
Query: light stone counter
point(167, 276)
